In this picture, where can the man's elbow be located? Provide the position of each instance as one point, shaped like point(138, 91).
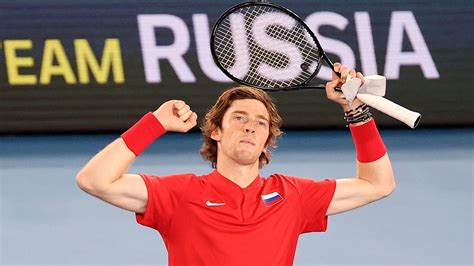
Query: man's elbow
point(82, 181)
point(85, 183)
point(386, 190)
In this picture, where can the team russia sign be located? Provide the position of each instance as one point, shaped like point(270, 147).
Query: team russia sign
point(63, 63)
point(81, 64)
point(401, 23)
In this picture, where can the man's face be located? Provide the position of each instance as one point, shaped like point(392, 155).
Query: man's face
point(245, 129)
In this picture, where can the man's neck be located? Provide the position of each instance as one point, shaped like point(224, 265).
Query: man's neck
point(242, 175)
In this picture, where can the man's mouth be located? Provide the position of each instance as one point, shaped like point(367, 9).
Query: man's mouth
point(247, 142)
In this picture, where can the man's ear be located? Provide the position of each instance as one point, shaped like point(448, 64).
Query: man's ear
point(216, 134)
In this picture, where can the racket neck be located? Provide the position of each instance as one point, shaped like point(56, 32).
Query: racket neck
point(330, 63)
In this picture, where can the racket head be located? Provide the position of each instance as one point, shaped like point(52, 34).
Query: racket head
point(266, 46)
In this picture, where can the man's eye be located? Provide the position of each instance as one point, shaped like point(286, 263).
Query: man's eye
point(262, 123)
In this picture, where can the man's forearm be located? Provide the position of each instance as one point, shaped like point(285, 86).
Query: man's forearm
point(379, 173)
point(373, 163)
point(106, 166)
point(114, 160)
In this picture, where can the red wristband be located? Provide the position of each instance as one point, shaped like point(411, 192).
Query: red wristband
point(143, 133)
point(368, 143)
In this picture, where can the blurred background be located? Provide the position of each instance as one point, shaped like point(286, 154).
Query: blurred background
point(75, 74)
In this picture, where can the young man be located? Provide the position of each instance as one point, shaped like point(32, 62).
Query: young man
point(232, 216)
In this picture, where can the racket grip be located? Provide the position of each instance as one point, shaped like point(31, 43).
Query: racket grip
point(392, 109)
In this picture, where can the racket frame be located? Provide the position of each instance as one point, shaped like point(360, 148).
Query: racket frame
point(392, 109)
point(303, 85)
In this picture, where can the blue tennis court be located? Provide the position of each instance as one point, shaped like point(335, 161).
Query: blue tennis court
point(47, 219)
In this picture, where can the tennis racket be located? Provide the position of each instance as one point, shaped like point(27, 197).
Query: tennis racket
point(267, 46)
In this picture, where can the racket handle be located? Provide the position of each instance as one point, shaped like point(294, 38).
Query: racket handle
point(392, 109)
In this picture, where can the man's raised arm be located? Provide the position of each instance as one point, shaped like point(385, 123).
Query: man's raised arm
point(374, 177)
point(104, 176)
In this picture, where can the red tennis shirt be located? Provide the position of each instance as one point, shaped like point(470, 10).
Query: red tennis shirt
point(210, 220)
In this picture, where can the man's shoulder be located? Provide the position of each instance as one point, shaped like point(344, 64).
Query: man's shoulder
point(297, 182)
point(176, 177)
point(278, 178)
point(284, 178)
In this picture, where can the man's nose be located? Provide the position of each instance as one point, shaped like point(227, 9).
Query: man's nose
point(250, 126)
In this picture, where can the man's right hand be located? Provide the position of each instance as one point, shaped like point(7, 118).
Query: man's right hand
point(176, 115)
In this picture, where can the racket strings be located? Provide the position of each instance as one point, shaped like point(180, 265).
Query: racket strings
point(224, 45)
point(259, 55)
point(277, 60)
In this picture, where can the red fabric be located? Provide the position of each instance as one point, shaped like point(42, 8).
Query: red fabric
point(143, 133)
point(238, 228)
point(368, 143)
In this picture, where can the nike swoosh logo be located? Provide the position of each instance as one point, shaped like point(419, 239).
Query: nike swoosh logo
point(208, 203)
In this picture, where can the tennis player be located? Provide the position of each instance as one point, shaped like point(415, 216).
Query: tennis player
point(233, 216)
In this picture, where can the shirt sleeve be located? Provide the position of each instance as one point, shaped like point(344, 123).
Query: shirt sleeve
point(315, 199)
point(164, 193)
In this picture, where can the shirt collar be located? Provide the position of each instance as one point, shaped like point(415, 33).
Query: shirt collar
point(225, 185)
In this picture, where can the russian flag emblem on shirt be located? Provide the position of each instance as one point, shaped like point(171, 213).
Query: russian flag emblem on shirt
point(271, 199)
